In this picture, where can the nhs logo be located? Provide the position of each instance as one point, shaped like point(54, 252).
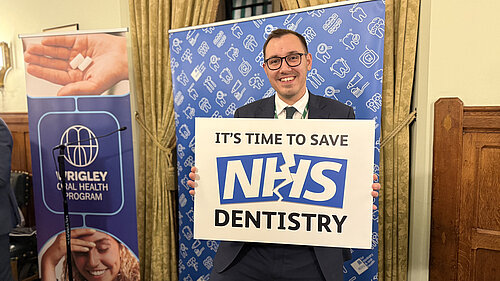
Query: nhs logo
point(267, 177)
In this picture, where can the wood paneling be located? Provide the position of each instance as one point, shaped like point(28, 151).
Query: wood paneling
point(18, 125)
point(465, 223)
point(479, 221)
point(448, 117)
point(489, 269)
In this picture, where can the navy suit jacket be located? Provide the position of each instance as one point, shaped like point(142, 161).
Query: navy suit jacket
point(330, 259)
point(9, 215)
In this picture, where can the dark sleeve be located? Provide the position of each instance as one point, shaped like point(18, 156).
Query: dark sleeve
point(6, 154)
point(346, 254)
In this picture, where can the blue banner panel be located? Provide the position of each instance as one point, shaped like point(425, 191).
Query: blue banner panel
point(74, 101)
point(218, 68)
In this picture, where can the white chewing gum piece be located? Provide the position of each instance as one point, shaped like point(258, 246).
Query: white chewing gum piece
point(86, 62)
point(76, 61)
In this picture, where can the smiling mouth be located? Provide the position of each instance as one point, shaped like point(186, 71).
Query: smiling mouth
point(97, 272)
point(286, 79)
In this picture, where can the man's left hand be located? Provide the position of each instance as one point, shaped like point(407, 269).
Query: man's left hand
point(375, 188)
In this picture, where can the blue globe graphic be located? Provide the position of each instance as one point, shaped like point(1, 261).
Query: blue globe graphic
point(82, 151)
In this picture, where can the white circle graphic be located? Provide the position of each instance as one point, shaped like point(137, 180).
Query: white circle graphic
point(82, 147)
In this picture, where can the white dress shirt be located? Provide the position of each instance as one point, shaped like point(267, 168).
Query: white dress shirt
point(300, 106)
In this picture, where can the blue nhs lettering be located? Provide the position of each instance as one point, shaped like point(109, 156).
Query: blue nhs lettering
point(267, 177)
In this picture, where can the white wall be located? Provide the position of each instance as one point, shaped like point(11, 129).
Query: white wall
point(29, 17)
point(458, 56)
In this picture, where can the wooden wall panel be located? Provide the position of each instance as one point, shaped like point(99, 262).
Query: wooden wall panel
point(447, 167)
point(465, 222)
point(18, 125)
point(488, 201)
point(488, 266)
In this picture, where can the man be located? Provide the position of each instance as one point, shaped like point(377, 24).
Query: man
point(9, 215)
point(286, 64)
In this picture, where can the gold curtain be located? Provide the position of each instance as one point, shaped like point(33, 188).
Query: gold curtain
point(401, 26)
point(150, 21)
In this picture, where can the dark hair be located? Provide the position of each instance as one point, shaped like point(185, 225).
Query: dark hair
point(277, 33)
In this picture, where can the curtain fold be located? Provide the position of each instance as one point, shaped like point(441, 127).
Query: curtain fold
point(400, 49)
point(401, 27)
point(157, 217)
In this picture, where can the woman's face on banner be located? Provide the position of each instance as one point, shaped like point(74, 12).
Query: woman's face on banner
point(102, 262)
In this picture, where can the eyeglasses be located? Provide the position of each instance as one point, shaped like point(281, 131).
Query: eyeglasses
point(292, 60)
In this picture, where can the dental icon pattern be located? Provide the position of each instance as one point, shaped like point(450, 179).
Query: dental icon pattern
point(217, 69)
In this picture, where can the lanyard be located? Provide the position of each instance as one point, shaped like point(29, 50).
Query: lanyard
point(304, 114)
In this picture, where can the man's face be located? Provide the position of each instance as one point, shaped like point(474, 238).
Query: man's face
point(289, 82)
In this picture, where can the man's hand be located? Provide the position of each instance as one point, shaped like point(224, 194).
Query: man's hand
point(192, 183)
point(375, 188)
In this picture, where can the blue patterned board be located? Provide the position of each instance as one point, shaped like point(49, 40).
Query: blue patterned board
point(218, 68)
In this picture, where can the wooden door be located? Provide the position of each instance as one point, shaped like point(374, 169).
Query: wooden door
point(465, 223)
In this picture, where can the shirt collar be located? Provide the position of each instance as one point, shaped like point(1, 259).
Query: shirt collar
point(300, 105)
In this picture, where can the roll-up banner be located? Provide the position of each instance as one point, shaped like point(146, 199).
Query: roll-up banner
point(79, 96)
point(217, 68)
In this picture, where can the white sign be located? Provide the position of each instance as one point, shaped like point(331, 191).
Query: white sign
point(304, 182)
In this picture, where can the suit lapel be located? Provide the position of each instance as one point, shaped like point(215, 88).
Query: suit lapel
point(266, 108)
point(316, 108)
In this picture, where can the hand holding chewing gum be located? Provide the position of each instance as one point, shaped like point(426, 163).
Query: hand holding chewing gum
point(80, 62)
